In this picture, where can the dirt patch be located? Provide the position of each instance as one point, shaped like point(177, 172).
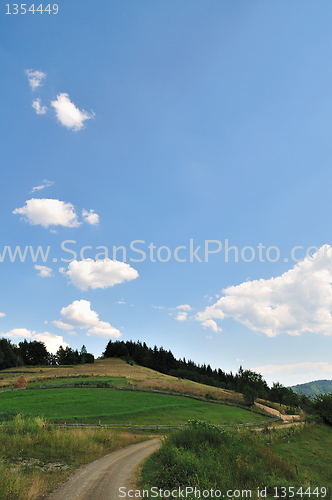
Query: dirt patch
point(276, 413)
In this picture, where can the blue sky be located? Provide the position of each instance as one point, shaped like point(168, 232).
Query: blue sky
point(170, 124)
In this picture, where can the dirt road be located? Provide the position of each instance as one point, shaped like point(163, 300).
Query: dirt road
point(276, 413)
point(102, 479)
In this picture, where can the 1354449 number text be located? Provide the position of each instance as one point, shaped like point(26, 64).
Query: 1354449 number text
point(25, 8)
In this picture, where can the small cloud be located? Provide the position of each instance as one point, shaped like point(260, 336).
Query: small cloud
point(181, 316)
point(209, 323)
point(40, 110)
point(120, 302)
point(184, 307)
point(158, 307)
point(209, 337)
point(44, 272)
point(19, 333)
point(105, 331)
point(35, 78)
point(44, 184)
point(68, 114)
point(90, 217)
point(80, 315)
point(48, 212)
point(105, 273)
point(2, 315)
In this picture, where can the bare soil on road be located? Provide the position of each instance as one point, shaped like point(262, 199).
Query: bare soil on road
point(276, 413)
point(102, 479)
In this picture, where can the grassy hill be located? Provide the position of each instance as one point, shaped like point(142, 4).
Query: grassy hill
point(112, 368)
point(117, 406)
point(314, 388)
point(90, 393)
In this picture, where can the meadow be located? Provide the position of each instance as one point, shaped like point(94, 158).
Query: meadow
point(113, 368)
point(117, 406)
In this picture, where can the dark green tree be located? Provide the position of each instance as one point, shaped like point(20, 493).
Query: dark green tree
point(33, 353)
point(323, 403)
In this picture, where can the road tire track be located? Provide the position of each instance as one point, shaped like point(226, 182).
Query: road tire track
point(102, 479)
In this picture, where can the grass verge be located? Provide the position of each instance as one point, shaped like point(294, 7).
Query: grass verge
point(36, 457)
point(204, 457)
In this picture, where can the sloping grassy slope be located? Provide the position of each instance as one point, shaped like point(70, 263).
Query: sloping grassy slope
point(112, 367)
point(111, 405)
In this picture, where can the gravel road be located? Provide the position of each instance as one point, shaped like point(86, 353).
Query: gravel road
point(102, 479)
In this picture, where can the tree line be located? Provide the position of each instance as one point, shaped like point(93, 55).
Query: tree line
point(35, 353)
point(247, 382)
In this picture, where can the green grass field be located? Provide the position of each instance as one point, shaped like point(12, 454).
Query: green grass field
point(111, 405)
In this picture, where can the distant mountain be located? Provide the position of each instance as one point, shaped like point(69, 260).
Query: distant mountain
point(313, 388)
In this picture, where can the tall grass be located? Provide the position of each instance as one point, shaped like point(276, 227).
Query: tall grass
point(36, 457)
point(205, 457)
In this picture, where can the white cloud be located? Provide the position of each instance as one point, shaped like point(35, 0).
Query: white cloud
point(106, 331)
point(48, 212)
point(2, 315)
point(79, 315)
point(19, 333)
point(90, 217)
point(67, 114)
point(44, 272)
point(52, 342)
point(181, 316)
point(99, 274)
point(35, 78)
point(210, 323)
point(40, 110)
point(45, 184)
point(158, 307)
point(298, 301)
point(184, 307)
point(297, 373)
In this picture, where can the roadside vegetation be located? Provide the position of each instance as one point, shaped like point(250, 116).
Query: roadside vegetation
point(35, 456)
point(204, 457)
